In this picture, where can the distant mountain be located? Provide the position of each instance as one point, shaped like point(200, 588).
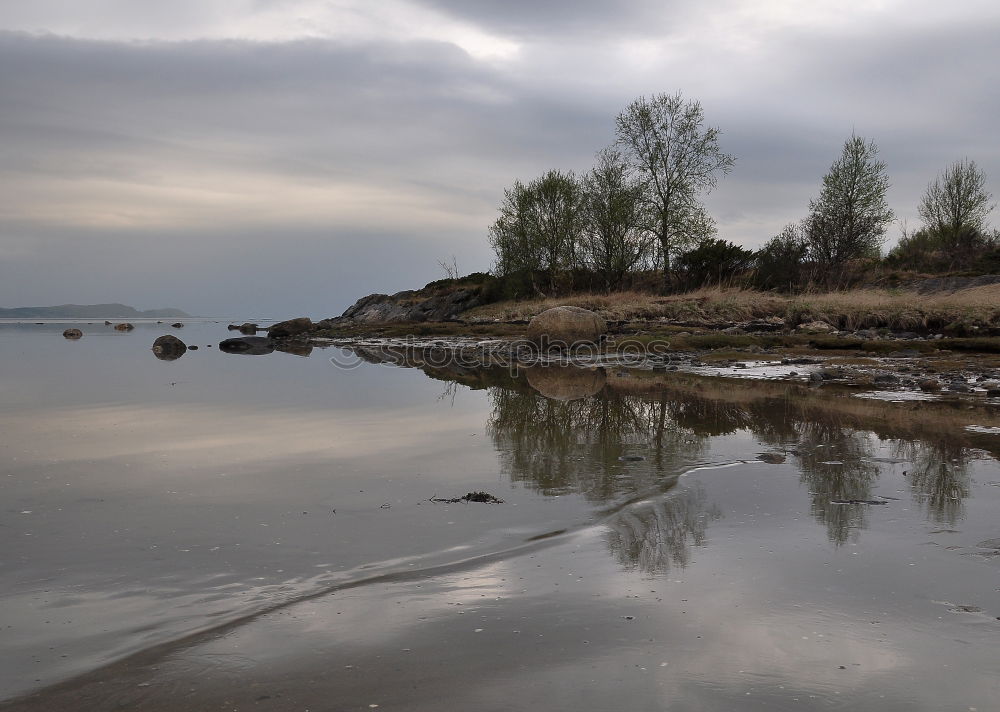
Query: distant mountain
point(89, 311)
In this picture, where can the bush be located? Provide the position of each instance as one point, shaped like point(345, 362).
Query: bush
point(780, 263)
point(713, 262)
point(930, 250)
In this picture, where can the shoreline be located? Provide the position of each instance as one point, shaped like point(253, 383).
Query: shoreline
point(932, 369)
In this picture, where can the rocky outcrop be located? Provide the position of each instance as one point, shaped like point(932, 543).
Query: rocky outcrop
point(411, 306)
point(168, 348)
point(292, 327)
point(247, 346)
point(566, 326)
point(73, 334)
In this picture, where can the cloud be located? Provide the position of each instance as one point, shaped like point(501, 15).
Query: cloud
point(397, 120)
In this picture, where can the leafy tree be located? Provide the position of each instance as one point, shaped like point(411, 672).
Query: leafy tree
point(679, 160)
point(517, 255)
point(849, 218)
point(954, 207)
point(615, 238)
point(781, 261)
point(713, 262)
point(537, 234)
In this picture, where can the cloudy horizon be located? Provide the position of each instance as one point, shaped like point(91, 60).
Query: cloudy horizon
point(283, 158)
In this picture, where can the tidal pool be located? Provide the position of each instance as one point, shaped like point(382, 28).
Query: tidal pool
point(226, 531)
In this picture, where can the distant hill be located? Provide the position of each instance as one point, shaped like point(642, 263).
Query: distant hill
point(89, 311)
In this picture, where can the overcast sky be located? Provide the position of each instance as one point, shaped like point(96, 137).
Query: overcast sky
point(283, 157)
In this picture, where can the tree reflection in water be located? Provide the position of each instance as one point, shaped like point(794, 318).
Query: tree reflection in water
point(938, 473)
point(655, 535)
point(561, 430)
point(836, 464)
point(563, 444)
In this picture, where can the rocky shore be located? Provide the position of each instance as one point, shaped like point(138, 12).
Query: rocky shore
point(939, 354)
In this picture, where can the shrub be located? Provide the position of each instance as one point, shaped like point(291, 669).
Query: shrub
point(713, 262)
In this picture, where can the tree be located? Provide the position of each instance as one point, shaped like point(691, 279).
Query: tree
point(615, 238)
point(511, 238)
point(849, 218)
point(538, 232)
point(954, 207)
point(679, 161)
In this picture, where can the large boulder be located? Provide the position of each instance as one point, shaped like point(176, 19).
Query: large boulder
point(73, 334)
point(566, 326)
point(292, 327)
point(168, 348)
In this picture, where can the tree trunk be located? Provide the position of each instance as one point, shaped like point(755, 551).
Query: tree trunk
point(669, 284)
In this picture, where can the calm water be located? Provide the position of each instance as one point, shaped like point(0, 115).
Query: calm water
point(699, 545)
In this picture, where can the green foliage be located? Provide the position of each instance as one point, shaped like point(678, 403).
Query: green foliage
point(679, 160)
point(781, 261)
point(538, 232)
point(615, 239)
point(713, 262)
point(849, 218)
point(930, 250)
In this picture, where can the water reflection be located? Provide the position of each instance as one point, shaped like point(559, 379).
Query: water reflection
point(939, 477)
point(616, 437)
point(657, 535)
point(836, 464)
point(610, 446)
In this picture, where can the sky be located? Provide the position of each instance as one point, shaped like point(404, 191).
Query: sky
point(279, 158)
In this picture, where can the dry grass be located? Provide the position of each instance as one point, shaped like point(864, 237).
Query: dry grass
point(957, 313)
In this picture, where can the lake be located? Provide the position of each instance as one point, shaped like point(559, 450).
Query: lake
point(223, 531)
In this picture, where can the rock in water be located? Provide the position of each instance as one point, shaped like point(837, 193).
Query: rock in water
point(124, 326)
point(247, 345)
point(563, 327)
point(247, 328)
point(169, 348)
point(73, 334)
point(290, 327)
point(177, 325)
